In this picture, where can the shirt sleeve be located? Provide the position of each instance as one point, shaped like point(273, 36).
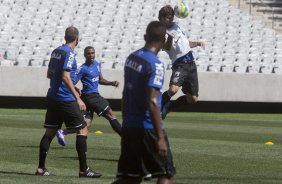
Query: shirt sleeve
point(69, 59)
point(79, 73)
point(156, 75)
point(166, 36)
point(99, 68)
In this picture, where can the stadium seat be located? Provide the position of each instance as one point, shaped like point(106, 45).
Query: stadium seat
point(278, 59)
point(118, 65)
point(215, 67)
point(36, 61)
point(253, 68)
point(107, 65)
point(266, 69)
point(22, 60)
point(227, 68)
point(11, 54)
point(2, 53)
point(229, 59)
point(202, 67)
point(240, 67)
point(6, 62)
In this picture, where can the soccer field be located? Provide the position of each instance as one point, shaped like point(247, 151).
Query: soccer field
point(207, 148)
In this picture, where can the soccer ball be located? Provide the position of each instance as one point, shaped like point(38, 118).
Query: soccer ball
point(181, 10)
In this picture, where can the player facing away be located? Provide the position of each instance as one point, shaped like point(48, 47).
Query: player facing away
point(64, 105)
point(184, 69)
point(144, 143)
point(91, 76)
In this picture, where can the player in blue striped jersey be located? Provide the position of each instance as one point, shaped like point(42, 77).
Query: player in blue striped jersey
point(91, 76)
point(64, 104)
point(144, 146)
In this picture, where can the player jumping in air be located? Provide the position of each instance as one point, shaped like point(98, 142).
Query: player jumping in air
point(184, 69)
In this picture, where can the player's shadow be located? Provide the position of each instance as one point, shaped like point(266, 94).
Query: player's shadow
point(223, 179)
point(91, 158)
point(53, 147)
point(17, 173)
point(28, 146)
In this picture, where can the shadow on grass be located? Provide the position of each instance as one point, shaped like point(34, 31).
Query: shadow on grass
point(183, 180)
point(32, 174)
point(17, 173)
point(91, 158)
point(52, 147)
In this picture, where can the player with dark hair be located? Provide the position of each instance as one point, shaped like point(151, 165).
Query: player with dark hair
point(144, 145)
point(184, 69)
point(64, 105)
point(91, 76)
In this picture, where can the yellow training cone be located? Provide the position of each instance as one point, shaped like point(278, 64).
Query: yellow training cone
point(98, 132)
point(269, 143)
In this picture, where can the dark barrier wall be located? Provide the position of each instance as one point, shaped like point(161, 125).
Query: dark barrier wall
point(201, 106)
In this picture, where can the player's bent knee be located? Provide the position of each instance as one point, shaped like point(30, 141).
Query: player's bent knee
point(109, 115)
point(88, 122)
point(192, 99)
point(83, 131)
point(50, 132)
point(173, 90)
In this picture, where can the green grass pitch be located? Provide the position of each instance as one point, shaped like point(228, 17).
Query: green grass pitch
point(207, 148)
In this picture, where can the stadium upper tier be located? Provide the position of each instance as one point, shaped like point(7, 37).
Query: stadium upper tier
point(31, 29)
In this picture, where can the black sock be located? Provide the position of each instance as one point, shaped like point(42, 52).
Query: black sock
point(180, 101)
point(43, 150)
point(165, 97)
point(60, 126)
point(116, 126)
point(81, 148)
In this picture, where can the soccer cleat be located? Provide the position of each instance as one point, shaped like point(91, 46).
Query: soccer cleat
point(61, 137)
point(43, 172)
point(165, 109)
point(89, 173)
point(148, 177)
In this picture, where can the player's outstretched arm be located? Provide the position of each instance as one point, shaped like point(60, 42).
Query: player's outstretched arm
point(156, 119)
point(105, 82)
point(197, 44)
point(168, 42)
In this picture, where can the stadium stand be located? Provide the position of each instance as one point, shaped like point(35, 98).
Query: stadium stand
point(272, 9)
point(234, 41)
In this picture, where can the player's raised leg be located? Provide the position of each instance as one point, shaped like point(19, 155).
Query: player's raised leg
point(61, 137)
point(166, 103)
point(110, 116)
point(88, 117)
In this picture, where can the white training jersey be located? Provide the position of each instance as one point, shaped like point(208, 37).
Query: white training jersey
point(180, 43)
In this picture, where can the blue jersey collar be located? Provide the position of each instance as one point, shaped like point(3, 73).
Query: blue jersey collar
point(92, 63)
point(67, 46)
point(148, 50)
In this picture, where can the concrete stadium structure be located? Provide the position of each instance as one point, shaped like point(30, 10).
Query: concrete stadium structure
point(229, 87)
